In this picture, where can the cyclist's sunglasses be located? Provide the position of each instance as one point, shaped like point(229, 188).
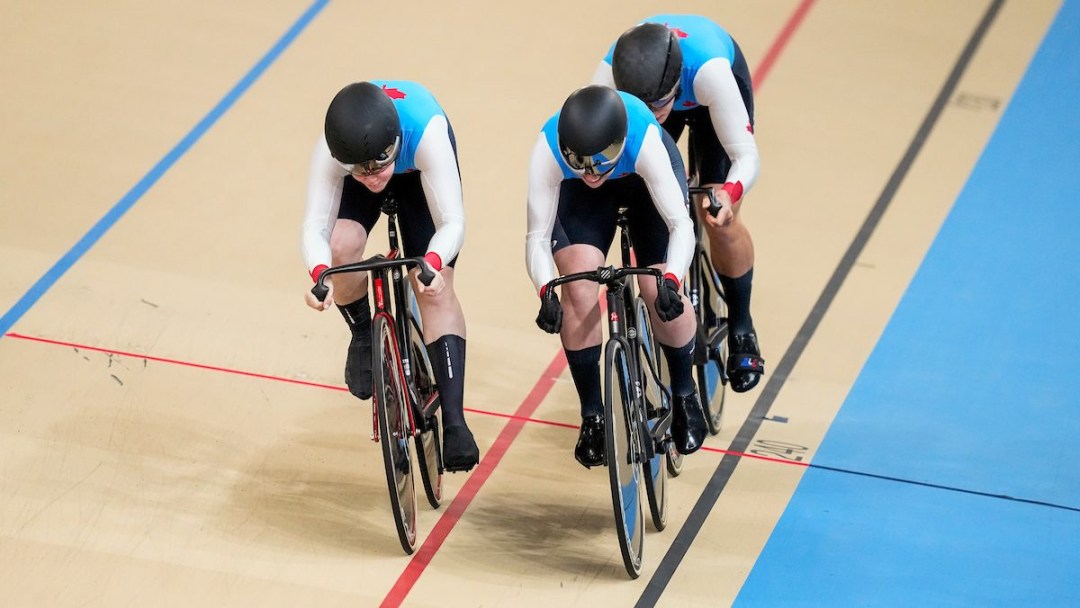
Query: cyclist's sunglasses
point(666, 99)
point(600, 163)
point(371, 167)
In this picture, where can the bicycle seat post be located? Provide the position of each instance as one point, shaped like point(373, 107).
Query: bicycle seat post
point(624, 236)
point(390, 208)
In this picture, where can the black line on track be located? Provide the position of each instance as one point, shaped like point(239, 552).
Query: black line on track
point(935, 486)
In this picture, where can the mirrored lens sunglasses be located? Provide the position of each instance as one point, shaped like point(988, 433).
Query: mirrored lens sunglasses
point(666, 99)
point(375, 165)
point(595, 164)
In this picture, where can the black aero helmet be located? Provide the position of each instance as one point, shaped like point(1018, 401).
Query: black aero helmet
point(592, 129)
point(362, 128)
point(647, 61)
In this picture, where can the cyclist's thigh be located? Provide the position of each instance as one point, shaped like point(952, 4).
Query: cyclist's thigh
point(675, 123)
point(585, 216)
point(416, 224)
point(359, 204)
point(648, 231)
point(711, 162)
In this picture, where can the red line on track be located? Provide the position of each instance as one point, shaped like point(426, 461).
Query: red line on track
point(174, 361)
point(522, 415)
point(476, 480)
point(793, 23)
point(518, 416)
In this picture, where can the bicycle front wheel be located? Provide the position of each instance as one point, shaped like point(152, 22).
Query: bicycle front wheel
point(622, 448)
point(394, 429)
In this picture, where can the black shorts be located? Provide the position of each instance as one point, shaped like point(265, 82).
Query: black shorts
point(587, 216)
point(708, 160)
point(414, 218)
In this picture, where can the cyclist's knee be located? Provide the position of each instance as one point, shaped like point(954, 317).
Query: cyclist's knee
point(727, 234)
point(580, 294)
point(347, 242)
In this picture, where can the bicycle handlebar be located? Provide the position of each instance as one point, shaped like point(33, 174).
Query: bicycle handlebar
point(714, 207)
point(605, 275)
point(427, 275)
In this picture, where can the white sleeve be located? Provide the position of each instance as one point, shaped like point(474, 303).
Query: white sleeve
point(715, 87)
point(325, 180)
point(545, 178)
point(654, 166)
point(442, 187)
point(603, 75)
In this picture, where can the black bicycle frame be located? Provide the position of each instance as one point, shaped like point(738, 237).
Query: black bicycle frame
point(698, 290)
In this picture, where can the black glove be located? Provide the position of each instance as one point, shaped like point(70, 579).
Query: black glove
point(668, 301)
point(549, 318)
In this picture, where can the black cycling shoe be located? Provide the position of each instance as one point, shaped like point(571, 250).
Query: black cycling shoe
point(744, 365)
point(589, 450)
point(358, 366)
point(688, 427)
point(459, 449)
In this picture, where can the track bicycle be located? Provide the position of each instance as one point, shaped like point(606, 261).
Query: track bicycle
point(702, 287)
point(406, 398)
point(637, 404)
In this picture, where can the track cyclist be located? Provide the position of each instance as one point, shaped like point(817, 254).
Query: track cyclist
point(690, 72)
point(604, 150)
point(392, 138)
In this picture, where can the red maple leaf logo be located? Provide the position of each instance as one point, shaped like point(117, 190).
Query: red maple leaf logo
point(393, 93)
point(678, 32)
point(750, 128)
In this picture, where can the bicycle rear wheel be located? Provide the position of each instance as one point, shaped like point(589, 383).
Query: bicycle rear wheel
point(429, 441)
point(394, 429)
point(711, 347)
point(623, 456)
point(673, 459)
point(654, 471)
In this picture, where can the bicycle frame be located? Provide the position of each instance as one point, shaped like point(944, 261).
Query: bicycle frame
point(698, 290)
point(633, 335)
point(391, 297)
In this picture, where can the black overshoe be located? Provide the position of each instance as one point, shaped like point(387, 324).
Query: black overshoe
point(688, 427)
point(745, 365)
point(358, 366)
point(589, 450)
point(459, 449)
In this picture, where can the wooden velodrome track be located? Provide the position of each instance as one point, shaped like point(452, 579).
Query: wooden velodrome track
point(172, 426)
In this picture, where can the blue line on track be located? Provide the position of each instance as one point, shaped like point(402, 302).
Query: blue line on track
point(118, 210)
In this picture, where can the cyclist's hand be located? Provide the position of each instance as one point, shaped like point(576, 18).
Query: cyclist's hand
point(726, 213)
point(549, 318)
point(669, 304)
point(436, 287)
point(312, 301)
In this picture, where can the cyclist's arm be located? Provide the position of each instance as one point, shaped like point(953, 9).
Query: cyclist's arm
point(545, 177)
point(442, 186)
point(325, 182)
point(603, 75)
point(654, 166)
point(715, 87)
